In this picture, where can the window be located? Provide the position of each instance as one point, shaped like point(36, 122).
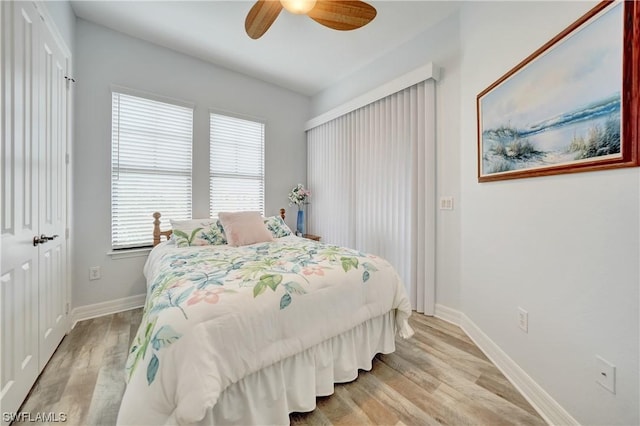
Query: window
point(151, 146)
point(236, 165)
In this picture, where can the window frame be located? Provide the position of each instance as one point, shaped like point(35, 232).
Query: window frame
point(115, 89)
point(254, 119)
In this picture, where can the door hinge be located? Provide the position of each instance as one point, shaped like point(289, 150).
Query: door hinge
point(66, 233)
point(69, 80)
point(66, 158)
point(66, 310)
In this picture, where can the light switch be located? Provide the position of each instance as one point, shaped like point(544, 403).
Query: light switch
point(446, 203)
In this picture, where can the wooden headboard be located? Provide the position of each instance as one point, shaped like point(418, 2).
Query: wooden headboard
point(157, 233)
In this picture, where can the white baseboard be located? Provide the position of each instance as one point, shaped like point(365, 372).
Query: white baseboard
point(82, 313)
point(540, 400)
point(447, 314)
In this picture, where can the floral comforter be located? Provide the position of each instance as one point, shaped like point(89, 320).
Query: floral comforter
point(216, 314)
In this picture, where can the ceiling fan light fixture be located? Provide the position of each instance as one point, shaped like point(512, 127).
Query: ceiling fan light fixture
point(342, 15)
point(298, 7)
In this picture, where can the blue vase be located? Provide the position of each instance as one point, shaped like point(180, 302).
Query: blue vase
point(300, 223)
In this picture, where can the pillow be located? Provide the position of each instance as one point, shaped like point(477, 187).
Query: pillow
point(244, 228)
point(277, 227)
point(198, 232)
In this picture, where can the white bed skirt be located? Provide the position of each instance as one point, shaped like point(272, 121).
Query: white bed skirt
point(266, 397)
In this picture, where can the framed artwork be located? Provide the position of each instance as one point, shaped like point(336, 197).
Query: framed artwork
point(571, 106)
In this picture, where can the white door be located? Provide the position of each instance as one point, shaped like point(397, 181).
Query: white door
point(33, 204)
point(52, 195)
point(20, 262)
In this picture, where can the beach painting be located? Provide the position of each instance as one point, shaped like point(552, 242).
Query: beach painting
point(560, 108)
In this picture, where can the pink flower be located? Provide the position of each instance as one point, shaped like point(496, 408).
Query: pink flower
point(209, 296)
point(179, 283)
point(313, 270)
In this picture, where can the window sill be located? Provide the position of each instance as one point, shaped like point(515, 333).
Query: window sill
point(129, 253)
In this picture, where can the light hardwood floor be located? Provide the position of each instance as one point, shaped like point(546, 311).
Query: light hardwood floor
point(437, 377)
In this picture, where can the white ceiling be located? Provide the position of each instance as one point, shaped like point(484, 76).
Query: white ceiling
point(296, 52)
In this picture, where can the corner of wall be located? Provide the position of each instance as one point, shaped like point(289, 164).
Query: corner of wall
point(549, 409)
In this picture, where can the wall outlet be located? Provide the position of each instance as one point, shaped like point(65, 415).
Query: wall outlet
point(606, 374)
point(446, 203)
point(94, 273)
point(523, 320)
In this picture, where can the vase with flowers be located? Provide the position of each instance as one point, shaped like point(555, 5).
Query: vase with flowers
point(299, 196)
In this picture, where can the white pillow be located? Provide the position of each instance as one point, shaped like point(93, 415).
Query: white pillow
point(198, 232)
point(244, 228)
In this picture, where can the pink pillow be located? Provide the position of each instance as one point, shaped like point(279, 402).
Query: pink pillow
point(244, 228)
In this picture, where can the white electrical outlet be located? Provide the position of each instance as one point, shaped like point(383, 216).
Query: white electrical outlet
point(606, 374)
point(446, 203)
point(523, 320)
point(94, 273)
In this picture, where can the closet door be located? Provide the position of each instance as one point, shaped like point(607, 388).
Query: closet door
point(19, 176)
point(33, 176)
point(52, 118)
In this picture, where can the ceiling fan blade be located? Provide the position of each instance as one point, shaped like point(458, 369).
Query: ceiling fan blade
point(260, 17)
point(342, 15)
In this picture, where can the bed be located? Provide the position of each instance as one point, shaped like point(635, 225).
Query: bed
point(246, 335)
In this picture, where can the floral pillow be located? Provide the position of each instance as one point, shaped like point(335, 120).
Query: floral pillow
point(277, 227)
point(198, 232)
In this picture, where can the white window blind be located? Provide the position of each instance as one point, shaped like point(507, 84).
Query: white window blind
point(151, 145)
point(372, 173)
point(236, 165)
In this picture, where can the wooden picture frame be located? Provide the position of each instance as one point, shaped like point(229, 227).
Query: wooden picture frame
point(558, 111)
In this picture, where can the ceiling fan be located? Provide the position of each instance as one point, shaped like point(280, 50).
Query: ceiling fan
point(337, 14)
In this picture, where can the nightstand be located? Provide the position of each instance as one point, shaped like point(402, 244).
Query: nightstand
point(311, 237)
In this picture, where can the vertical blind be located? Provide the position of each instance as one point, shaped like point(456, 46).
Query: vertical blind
point(236, 164)
point(372, 173)
point(150, 166)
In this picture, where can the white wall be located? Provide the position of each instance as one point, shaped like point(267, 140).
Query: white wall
point(565, 248)
point(439, 44)
point(64, 19)
point(105, 57)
